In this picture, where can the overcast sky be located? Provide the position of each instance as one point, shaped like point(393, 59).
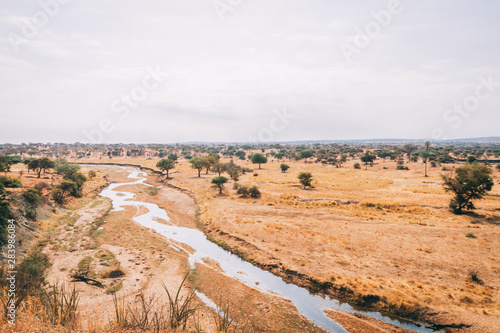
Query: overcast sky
point(227, 70)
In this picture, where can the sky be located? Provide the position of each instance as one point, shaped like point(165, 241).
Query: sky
point(165, 71)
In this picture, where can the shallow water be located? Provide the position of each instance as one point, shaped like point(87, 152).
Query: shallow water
point(309, 305)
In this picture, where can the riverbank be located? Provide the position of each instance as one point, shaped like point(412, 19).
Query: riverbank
point(421, 264)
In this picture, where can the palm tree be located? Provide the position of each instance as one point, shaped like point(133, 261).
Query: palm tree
point(426, 156)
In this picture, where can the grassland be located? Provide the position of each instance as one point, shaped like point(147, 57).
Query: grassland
point(381, 238)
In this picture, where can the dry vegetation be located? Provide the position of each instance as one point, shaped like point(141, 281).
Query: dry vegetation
point(359, 233)
point(380, 238)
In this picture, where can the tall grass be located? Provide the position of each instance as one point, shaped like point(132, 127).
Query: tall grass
point(150, 314)
point(61, 305)
point(180, 307)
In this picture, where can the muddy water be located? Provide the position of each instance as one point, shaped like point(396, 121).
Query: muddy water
point(311, 306)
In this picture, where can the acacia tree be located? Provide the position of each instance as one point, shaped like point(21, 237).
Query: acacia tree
point(305, 179)
point(259, 159)
point(219, 183)
point(36, 166)
point(470, 182)
point(284, 167)
point(367, 158)
point(198, 164)
point(425, 155)
point(218, 168)
point(166, 165)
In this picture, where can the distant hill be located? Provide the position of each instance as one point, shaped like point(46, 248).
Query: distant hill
point(488, 140)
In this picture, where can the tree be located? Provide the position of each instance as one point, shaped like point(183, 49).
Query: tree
point(166, 165)
point(240, 154)
point(305, 154)
point(219, 183)
point(341, 160)
point(208, 161)
point(173, 157)
point(367, 158)
point(4, 164)
point(198, 164)
point(36, 166)
point(425, 155)
point(470, 182)
point(284, 167)
point(259, 159)
point(305, 179)
point(233, 170)
point(219, 168)
point(4, 214)
point(471, 159)
point(409, 149)
point(46, 164)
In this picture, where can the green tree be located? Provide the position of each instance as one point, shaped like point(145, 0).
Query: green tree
point(198, 164)
point(46, 164)
point(367, 158)
point(4, 214)
point(4, 164)
point(208, 161)
point(166, 165)
point(219, 183)
point(259, 159)
point(240, 154)
point(305, 154)
point(470, 182)
point(425, 154)
point(173, 157)
point(218, 168)
point(36, 166)
point(305, 179)
point(284, 167)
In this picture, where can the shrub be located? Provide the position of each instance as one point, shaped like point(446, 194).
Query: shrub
point(10, 182)
point(498, 167)
point(41, 185)
point(470, 182)
point(255, 192)
point(402, 167)
point(245, 170)
point(32, 197)
point(58, 196)
point(92, 174)
point(474, 276)
point(357, 166)
point(246, 191)
point(284, 167)
point(30, 213)
point(305, 179)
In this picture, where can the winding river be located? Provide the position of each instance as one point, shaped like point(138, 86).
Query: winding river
point(309, 305)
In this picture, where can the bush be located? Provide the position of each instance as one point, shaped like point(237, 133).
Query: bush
point(357, 166)
point(470, 182)
point(30, 213)
point(92, 174)
point(284, 167)
point(10, 182)
point(246, 191)
point(498, 167)
point(402, 167)
point(32, 197)
point(58, 196)
point(305, 179)
point(245, 170)
point(41, 185)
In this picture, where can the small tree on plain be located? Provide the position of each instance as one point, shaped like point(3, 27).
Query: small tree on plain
point(219, 183)
point(259, 159)
point(305, 179)
point(284, 167)
point(166, 165)
point(219, 168)
point(367, 158)
point(470, 182)
point(198, 164)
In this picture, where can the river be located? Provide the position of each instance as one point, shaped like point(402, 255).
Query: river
point(309, 305)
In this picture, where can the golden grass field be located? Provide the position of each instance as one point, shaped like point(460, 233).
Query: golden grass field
point(371, 232)
point(356, 235)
